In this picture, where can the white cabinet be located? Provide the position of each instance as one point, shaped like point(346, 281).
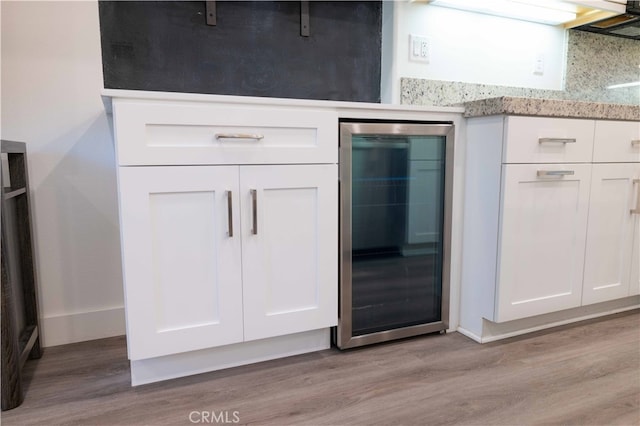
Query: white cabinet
point(634, 279)
point(524, 239)
point(541, 244)
point(198, 271)
point(182, 271)
point(289, 262)
point(229, 231)
point(613, 234)
point(550, 220)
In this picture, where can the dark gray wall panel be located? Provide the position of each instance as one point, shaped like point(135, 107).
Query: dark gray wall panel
point(254, 50)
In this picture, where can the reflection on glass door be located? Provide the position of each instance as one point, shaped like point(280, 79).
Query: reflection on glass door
point(395, 229)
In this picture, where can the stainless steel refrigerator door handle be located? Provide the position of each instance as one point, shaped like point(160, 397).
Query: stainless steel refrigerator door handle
point(544, 173)
point(557, 140)
point(239, 136)
point(254, 203)
point(635, 142)
point(230, 212)
point(637, 209)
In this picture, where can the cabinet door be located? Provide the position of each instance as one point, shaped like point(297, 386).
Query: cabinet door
point(542, 238)
point(182, 268)
point(610, 233)
point(289, 248)
point(634, 280)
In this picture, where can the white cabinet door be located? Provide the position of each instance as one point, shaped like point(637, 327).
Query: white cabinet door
point(289, 248)
point(634, 280)
point(542, 239)
point(182, 269)
point(610, 233)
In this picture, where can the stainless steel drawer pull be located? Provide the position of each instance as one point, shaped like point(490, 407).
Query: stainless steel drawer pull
point(635, 142)
point(230, 212)
point(239, 136)
point(637, 209)
point(543, 173)
point(557, 140)
point(254, 203)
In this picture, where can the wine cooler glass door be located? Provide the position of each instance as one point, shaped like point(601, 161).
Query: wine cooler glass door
point(395, 210)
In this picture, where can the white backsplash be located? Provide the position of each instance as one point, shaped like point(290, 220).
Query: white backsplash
point(594, 62)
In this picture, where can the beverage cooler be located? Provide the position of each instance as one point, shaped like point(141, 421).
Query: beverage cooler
point(395, 220)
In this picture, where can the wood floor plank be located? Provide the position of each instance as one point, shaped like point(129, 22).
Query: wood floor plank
point(583, 374)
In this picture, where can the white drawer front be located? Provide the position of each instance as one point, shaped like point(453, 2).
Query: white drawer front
point(547, 140)
point(153, 133)
point(617, 142)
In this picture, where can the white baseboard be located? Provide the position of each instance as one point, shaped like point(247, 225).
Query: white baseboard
point(79, 327)
point(188, 363)
point(469, 334)
point(492, 331)
point(512, 333)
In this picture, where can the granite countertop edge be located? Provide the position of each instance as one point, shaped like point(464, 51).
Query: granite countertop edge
point(551, 108)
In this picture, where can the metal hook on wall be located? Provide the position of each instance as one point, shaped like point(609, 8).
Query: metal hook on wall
point(304, 19)
point(304, 16)
point(211, 12)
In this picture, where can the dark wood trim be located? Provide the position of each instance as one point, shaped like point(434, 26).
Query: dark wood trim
point(20, 336)
point(12, 147)
point(28, 339)
point(11, 372)
point(14, 193)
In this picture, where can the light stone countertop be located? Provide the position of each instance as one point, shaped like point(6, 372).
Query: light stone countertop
point(551, 108)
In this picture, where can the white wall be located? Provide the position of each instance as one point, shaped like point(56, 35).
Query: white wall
point(51, 80)
point(469, 47)
point(388, 70)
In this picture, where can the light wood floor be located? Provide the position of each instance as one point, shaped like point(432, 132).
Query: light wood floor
point(585, 374)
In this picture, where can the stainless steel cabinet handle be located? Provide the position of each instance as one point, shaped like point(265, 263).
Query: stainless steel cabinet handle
point(230, 212)
point(635, 142)
point(239, 136)
point(543, 173)
point(637, 209)
point(254, 203)
point(557, 140)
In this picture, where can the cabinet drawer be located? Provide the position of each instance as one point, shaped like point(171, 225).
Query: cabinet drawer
point(547, 140)
point(617, 142)
point(154, 133)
